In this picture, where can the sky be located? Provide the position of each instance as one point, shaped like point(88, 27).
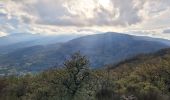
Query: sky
point(137, 17)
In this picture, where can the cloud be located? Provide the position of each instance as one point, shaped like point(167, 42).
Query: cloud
point(2, 34)
point(77, 12)
point(64, 16)
point(166, 31)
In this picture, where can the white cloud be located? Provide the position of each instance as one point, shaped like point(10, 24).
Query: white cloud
point(71, 16)
point(2, 34)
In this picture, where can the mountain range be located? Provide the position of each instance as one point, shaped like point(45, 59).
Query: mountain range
point(22, 40)
point(101, 49)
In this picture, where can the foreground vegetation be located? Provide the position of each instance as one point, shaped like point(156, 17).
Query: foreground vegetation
point(141, 78)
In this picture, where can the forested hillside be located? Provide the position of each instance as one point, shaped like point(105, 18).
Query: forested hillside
point(145, 77)
point(100, 49)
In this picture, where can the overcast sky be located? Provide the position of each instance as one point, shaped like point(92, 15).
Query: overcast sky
point(140, 17)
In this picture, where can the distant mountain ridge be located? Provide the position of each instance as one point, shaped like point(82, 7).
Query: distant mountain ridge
point(163, 54)
point(21, 40)
point(101, 49)
point(156, 61)
point(110, 47)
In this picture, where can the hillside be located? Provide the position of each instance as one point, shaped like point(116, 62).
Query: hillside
point(145, 77)
point(101, 49)
point(156, 58)
point(109, 48)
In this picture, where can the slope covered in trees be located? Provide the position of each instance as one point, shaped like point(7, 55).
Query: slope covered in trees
point(100, 49)
point(145, 77)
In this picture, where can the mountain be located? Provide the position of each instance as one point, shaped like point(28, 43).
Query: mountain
point(16, 38)
point(144, 77)
point(21, 40)
point(167, 42)
point(151, 68)
point(108, 48)
point(157, 58)
point(101, 49)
